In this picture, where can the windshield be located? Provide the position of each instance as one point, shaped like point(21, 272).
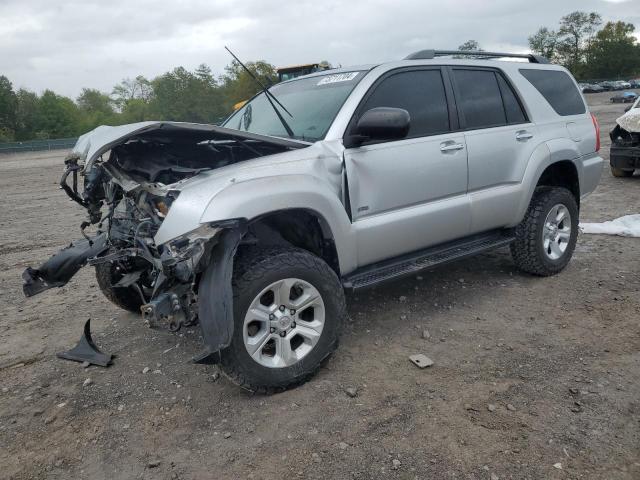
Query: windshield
point(313, 102)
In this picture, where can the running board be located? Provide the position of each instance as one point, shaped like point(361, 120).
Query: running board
point(427, 258)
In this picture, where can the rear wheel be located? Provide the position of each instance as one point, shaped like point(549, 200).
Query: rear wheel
point(619, 172)
point(546, 237)
point(289, 308)
point(127, 298)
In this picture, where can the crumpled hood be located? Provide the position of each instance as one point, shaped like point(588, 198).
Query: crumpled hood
point(630, 121)
point(321, 161)
point(98, 141)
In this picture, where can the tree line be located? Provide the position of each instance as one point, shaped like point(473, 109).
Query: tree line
point(589, 49)
point(180, 95)
point(580, 42)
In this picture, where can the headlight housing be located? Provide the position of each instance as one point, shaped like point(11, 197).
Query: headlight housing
point(204, 232)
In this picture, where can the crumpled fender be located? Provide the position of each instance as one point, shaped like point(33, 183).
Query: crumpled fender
point(278, 193)
point(215, 295)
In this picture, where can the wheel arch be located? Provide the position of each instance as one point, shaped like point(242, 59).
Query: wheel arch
point(561, 173)
point(551, 165)
point(300, 227)
point(300, 197)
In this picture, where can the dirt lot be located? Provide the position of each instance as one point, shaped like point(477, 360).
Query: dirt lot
point(529, 373)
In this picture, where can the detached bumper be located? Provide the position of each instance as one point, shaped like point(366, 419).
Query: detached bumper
point(62, 266)
point(625, 157)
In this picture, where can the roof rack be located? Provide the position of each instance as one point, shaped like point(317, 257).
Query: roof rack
point(430, 54)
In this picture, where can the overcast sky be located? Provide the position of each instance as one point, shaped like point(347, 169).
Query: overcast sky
point(69, 44)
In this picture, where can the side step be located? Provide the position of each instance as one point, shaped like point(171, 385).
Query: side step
point(430, 257)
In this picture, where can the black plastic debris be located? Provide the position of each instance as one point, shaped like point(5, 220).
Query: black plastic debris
point(86, 350)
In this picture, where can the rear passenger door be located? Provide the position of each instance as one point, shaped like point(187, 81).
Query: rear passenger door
point(500, 140)
point(411, 193)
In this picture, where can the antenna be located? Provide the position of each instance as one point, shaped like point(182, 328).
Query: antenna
point(264, 89)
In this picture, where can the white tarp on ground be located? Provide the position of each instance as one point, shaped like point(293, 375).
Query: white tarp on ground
point(627, 226)
point(630, 121)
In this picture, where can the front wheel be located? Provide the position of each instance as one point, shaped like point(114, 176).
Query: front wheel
point(546, 237)
point(289, 308)
point(127, 298)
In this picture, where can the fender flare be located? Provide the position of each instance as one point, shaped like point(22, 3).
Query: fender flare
point(547, 153)
point(215, 295)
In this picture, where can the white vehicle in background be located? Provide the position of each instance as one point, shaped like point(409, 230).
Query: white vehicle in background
point(624, 155)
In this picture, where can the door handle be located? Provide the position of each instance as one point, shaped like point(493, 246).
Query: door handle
point(523, 135)
point(451, 147)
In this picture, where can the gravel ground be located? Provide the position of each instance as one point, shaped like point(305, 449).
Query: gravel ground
point(533, 378)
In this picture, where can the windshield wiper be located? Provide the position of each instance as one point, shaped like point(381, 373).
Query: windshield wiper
point(269, 96)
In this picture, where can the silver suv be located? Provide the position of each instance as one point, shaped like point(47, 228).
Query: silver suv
point(337, 180)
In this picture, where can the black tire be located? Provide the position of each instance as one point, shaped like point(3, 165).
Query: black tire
point(254, 270)
point(619, 172)
point(528, 250)
point(126, 298)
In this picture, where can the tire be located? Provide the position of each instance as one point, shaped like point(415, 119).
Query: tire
point(126, 298)
point(529, 250)
point(256, 270)
point(619, 172)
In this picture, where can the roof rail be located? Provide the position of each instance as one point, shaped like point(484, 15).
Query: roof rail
point(430, 54)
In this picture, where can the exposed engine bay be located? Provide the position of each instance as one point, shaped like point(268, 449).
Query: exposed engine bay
point(130, 184)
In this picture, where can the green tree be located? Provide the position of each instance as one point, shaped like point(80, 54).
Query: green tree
point(92, 100)
point(574, 39)
point(7, 110)
point(614, 52)
point(27, 112)
point(58, 117)
point(237, 84)
point(96, 108)
point(130, 89)
point(136, 110)
point(470, 45)
point(544, 42)
point(187, 96)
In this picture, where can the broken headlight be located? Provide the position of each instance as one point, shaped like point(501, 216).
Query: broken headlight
point(204, 232)
point(182, 257)
point(162, 205)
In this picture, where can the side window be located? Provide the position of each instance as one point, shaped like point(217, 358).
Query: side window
point(478, 96)
point(558, 89)
point(421, 93)
point(512, 106)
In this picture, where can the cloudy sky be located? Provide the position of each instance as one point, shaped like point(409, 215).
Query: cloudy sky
point(69, 44)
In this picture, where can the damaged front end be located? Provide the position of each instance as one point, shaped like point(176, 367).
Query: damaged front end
point(130, 182)
point(625, 149)
point(625, 142)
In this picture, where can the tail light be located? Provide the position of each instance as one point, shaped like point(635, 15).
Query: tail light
point(596, 125)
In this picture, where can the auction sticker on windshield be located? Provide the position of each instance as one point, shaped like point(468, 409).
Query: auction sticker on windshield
point(338, 77)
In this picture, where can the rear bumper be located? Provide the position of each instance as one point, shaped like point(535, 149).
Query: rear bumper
point(592, 166)
point(625, 157)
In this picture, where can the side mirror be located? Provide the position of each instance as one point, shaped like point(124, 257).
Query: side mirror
point(627, 109)
point(380, 123)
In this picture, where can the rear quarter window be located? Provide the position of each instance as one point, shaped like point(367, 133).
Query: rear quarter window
point(480, 98)
point(558, 89)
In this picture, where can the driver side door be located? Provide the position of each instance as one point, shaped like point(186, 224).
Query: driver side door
point(409, 194)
